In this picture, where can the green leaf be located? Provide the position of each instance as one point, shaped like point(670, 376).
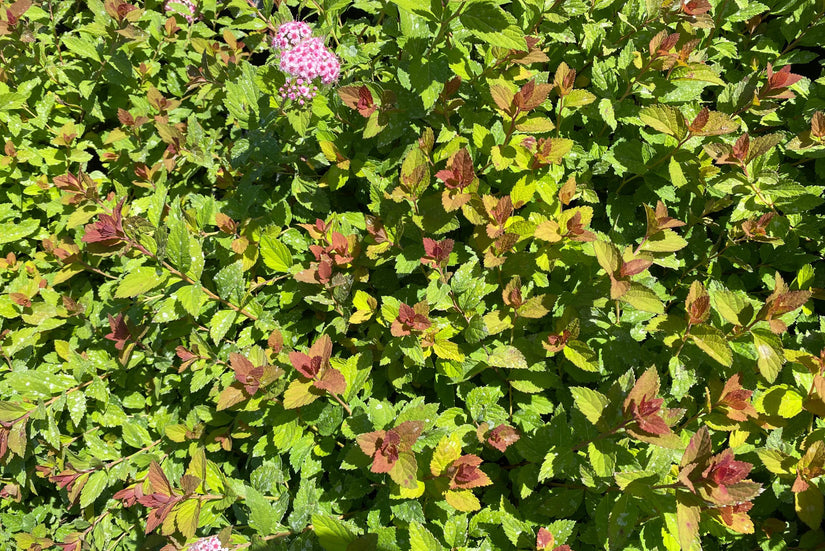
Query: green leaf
point(606, 111)
point(275, 254)
point(608, 256)
point(622, 521)
point(777, 462)
point(139, 281)
point(11, 232)
point(507, 356)
point(493, 25)
point(299, 394)
point(416, 7)
point(187, 515)
point(242, 95)
point(643, 299)
point(732, 307)
point(779, 400)
point(333, 535)
point(590, 402)
point(93, 488)
point(261, 514)
point(177, 246)
point(135, 435)
point(191, 297)
point(447, 350)
point(404, 470)
point(11, 411)
point(81, 46)
point(581, 355)
point(713, 343)
point(220, 324)
point(665, 241)
point(769, 354)
point(666, 119)
point(810, 506)
point(421, 539)
point(76, 406)
point(578, 98)
point(687, 517)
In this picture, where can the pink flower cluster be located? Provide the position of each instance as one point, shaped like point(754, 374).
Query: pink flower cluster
point(188, 6)
point(304, 58)
point(290, 34)
point(208, 544)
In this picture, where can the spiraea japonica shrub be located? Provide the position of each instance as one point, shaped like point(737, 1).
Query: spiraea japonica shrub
point(419, 274)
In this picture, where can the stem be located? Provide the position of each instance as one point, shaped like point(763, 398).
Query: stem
point(442, 30)
point(342, 402)
point(684, 340)
point(275, 536)
point(558, 116)
point(634, 80)
point(143, 449)
point(209, 293)
point(762, 197)
point(793, 44)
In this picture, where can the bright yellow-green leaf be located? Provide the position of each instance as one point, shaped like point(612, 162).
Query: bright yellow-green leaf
point(590, 402)
point(713, 343)
point(447, 350)
point(299, 394)
point(447, 451)
point(462, 500)
point(666, 119)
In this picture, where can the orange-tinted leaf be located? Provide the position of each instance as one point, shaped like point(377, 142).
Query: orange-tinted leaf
point(333, 381)
point(158, 481)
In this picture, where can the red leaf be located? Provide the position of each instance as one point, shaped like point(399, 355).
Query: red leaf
point(322, 348)
point(120, 333)
point(544, 539)
point(634, 267)
point(332, 381)
point(305, 365)
point(502, 437)
point(365, 106)
point(368, 442)
point(696, 7)
point(741, 147)
point(108, 230)
point(783, 78)
point(437, 252)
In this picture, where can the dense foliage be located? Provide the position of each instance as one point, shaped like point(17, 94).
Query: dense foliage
point(525, 274)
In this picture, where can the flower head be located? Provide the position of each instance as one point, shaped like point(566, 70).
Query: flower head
point(208, 544)
point(304, 59)
point(310, 59)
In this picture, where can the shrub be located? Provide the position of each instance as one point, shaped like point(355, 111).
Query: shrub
point(412, 275)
